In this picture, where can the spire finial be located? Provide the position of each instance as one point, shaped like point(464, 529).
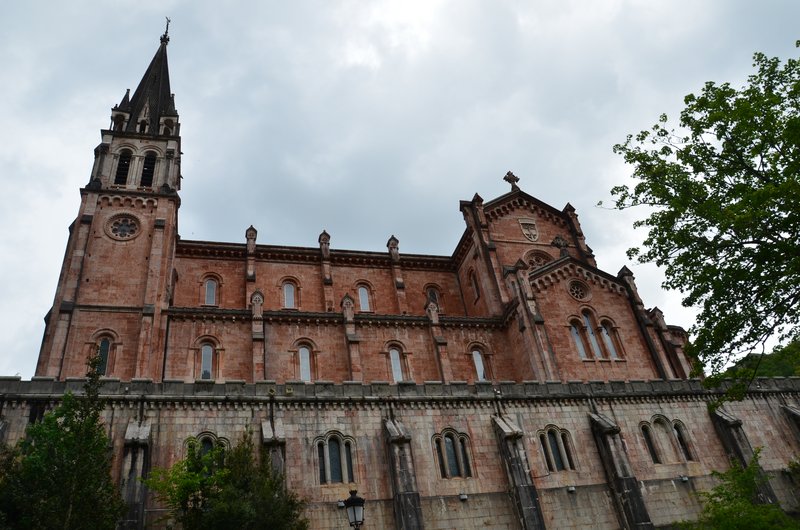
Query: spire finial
point(512, 179)
point(165, 36)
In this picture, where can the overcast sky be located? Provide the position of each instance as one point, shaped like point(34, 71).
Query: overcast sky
point(366, 119)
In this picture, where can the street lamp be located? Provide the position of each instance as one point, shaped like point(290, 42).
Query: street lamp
point(355, 509)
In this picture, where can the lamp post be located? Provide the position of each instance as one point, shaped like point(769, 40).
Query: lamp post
point(355, 509)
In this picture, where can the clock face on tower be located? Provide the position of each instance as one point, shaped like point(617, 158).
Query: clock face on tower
point(122, 227)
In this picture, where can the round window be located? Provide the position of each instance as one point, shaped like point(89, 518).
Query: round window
point(579, 290)
point(122, 227)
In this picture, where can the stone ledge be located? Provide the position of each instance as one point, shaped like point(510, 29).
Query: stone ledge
point(405, 390)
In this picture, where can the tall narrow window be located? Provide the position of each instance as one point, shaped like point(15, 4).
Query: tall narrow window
point(651, 447)
point(206, 445)
point(335, 459)
point(465, 458)
point(206, 361)
point(323, 474)
point(348, 459)
point(567, 450)
point(289, 295)
point(480, 370)
point(102, 352)
point(148, 170)
point(123, 165)
point(452, 459)
point(433, 296)
point(440, 457)
point(474, 282)
point(574, 329)
point(363, 298)
point(397, 365)
point(305, 363)
point(590, 331)
point(558, 461)
point(548, 459)
point(608, 339)
point(680, 435)
point(211, 292)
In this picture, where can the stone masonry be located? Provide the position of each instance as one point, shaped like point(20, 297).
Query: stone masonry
point(511, 384)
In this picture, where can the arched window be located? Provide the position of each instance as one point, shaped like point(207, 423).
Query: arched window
point(206, 361)
point(304, 362)
point(665, 440)
point(148, 169)
point(103, 349)
point(647, 434)
point(210, 291)
point(611, 340)
point(205, 442)
point(364, 298)
point(396, 361)
point(480, 366)
point(289, 295)
point(680, 435)
point(433, 294)
point(143, 126)
point(452, 453)
point(588, 322)
point(537, 258)
point(335, 457)
point(576, 330)
point(556, 447)
point(123, 165)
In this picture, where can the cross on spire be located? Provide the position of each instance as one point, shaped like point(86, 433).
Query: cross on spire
point(512, 179)
point(165, 36)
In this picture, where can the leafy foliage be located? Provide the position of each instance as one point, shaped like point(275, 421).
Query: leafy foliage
point(731, 505)
point(227, 489)
point(722, 193)
point(59, 475)
point(782, 362)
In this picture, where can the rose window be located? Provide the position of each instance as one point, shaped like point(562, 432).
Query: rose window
point(122, 227)
point(538, 259)
point(579, 290)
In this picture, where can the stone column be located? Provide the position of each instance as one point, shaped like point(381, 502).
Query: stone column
point(274, 438)
point(397, 274)
point(327, 279)
point(348, 311)
point(737, 446)
point(135, 464)
point(631, 510)
point(440, 343)
point(407, 505)
point(515, 460)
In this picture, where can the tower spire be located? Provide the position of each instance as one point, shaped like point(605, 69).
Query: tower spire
point(151, 108)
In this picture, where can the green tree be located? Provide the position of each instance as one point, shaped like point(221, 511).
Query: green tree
point(731, 505)
point(227, 489)
point(782, 362)
point(723, 221)
point(59, 474)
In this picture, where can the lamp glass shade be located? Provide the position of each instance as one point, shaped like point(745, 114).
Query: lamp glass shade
point(355, 514)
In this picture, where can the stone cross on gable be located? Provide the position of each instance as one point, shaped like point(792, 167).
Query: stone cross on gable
point(512, 179)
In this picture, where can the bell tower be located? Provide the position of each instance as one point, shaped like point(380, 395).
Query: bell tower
point(115, 279)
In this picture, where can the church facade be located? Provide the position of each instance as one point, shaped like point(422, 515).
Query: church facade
point(511, 384)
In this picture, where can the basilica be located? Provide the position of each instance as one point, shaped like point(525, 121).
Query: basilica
point(509, 384)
